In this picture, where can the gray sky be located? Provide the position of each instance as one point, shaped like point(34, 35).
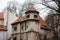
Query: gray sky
point(3, 3)
point(43, 13)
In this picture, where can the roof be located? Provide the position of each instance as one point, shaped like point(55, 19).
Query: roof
point(2, 28)
point(20, 19)
point(1, 16)
point(31, 8)
point(23, 18)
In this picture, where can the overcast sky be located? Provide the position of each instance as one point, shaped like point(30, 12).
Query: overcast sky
point(43, 13)
point(3, 3)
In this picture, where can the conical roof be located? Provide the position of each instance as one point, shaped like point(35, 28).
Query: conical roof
point(31, 8)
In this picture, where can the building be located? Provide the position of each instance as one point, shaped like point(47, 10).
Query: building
point(3, 30)
point(30, 27)
point(8, 19)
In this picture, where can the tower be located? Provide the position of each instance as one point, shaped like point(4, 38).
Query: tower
point(30, 30)
point(29, 27)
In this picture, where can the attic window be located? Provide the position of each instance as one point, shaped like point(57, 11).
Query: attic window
point(28, 16)
point(35, 16)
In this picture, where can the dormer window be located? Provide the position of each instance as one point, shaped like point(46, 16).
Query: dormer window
point(28, 16)
point(35, 16)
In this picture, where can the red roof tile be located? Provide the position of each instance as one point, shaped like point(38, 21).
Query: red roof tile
point(2, 28)
point(22, 18)
point(1, 16)
point(42, 21)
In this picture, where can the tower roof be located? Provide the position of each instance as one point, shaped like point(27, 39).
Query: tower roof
point(31, 8)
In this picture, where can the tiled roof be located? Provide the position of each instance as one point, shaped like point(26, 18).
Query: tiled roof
point(2, 28)
point(20, 19)
point(1, 16)
point(23, 18)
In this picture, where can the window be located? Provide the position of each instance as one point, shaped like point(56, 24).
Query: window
point(26, 27)
point(22, 27)
point(35, 16)
point(15, 28)
point(36, 22)
point(27, 16)
point(14, 38)
point(36, 34)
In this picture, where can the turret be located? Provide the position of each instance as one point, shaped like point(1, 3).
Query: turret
point(31, 13)
point(32, 18)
